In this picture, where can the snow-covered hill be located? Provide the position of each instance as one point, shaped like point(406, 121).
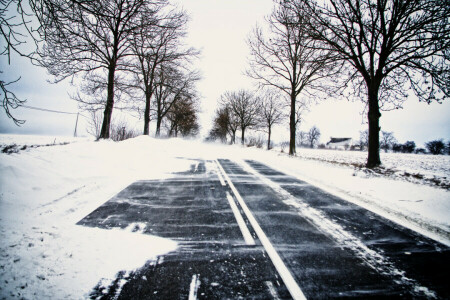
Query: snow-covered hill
point(46, 190)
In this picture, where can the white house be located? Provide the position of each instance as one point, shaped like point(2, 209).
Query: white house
point(340, 143)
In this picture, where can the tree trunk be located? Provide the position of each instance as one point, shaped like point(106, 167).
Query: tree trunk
point(158, 126)
point(104, 133)
point(243, 136)
point(233, 137)
point(292, 126)
point(373, 159)
point(268, 140)
point(147, 114)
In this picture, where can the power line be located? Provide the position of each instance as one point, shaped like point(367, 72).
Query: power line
point(52, 111)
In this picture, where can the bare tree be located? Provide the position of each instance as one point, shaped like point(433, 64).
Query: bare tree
point(313, 136)
point(233, 124)
point(15, 33)
point(390, 46)
point(94, 37)
point(94, 124)
point(271, 112)
point(288, 59)
point(387, 140)
point(244, 106)
point(155, 46)
point(302, 138)
point(171, 85)
point(364, 139)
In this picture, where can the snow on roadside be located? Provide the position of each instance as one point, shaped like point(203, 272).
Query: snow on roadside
point(432, 170)
point(46, 191)
point(41, 140)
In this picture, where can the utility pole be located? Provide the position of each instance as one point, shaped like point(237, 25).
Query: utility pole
point(76, 124)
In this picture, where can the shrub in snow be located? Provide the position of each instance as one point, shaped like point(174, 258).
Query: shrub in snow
point(436, 147)
point(420, 151)
point(407, 147)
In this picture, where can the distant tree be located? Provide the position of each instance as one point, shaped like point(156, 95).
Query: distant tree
point(244, 107)
point(288, 59)
point(224, 123)
point(409, 147)
point(271, 113)
point(390, 46)
point(397, 147)
point(420, 151)
point(387, 140)
point(313, 136)
point(93, 38)
point(233, 124)
point(220, 126)
point(302, 138)
point(172, 84)
point(435, 147)
point(183, 118)
point(448, 148)
point(363, 139)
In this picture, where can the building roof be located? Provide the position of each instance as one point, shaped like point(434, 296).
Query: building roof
point(338, 140)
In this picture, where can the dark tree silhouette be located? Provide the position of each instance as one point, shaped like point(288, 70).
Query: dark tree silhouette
point(94, 38)
point(225, 123)
point(271, 112)
point(288, 59)
point(244, 107)
point(435, 147)
point(390, 46)
point(183, 118)
point(220, 125)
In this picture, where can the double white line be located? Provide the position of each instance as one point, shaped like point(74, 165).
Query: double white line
point(284, 272)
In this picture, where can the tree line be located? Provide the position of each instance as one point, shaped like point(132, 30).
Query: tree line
point(389, 143)
point(242, 110)
point(374, 51)
point(126, 52)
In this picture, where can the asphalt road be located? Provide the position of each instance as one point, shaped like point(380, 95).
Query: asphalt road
point(256, 233)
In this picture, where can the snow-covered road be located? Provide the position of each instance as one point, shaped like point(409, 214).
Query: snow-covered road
point(248, 231)
point(302, 208)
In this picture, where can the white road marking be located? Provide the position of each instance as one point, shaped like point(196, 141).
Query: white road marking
point(244, 229)
point(284, 272)
point(272, 290)
point(222, 182)
point(195, 284)
point(343, 238)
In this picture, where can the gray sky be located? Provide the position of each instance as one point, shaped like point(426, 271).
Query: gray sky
point(220, 28)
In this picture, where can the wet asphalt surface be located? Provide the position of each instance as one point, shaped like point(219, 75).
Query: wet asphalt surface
point(214, 262)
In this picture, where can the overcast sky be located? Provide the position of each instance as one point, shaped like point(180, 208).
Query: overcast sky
point(220, 28)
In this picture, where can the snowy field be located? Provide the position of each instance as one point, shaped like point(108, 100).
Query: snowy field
point(419, 168)
point(45, 191)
